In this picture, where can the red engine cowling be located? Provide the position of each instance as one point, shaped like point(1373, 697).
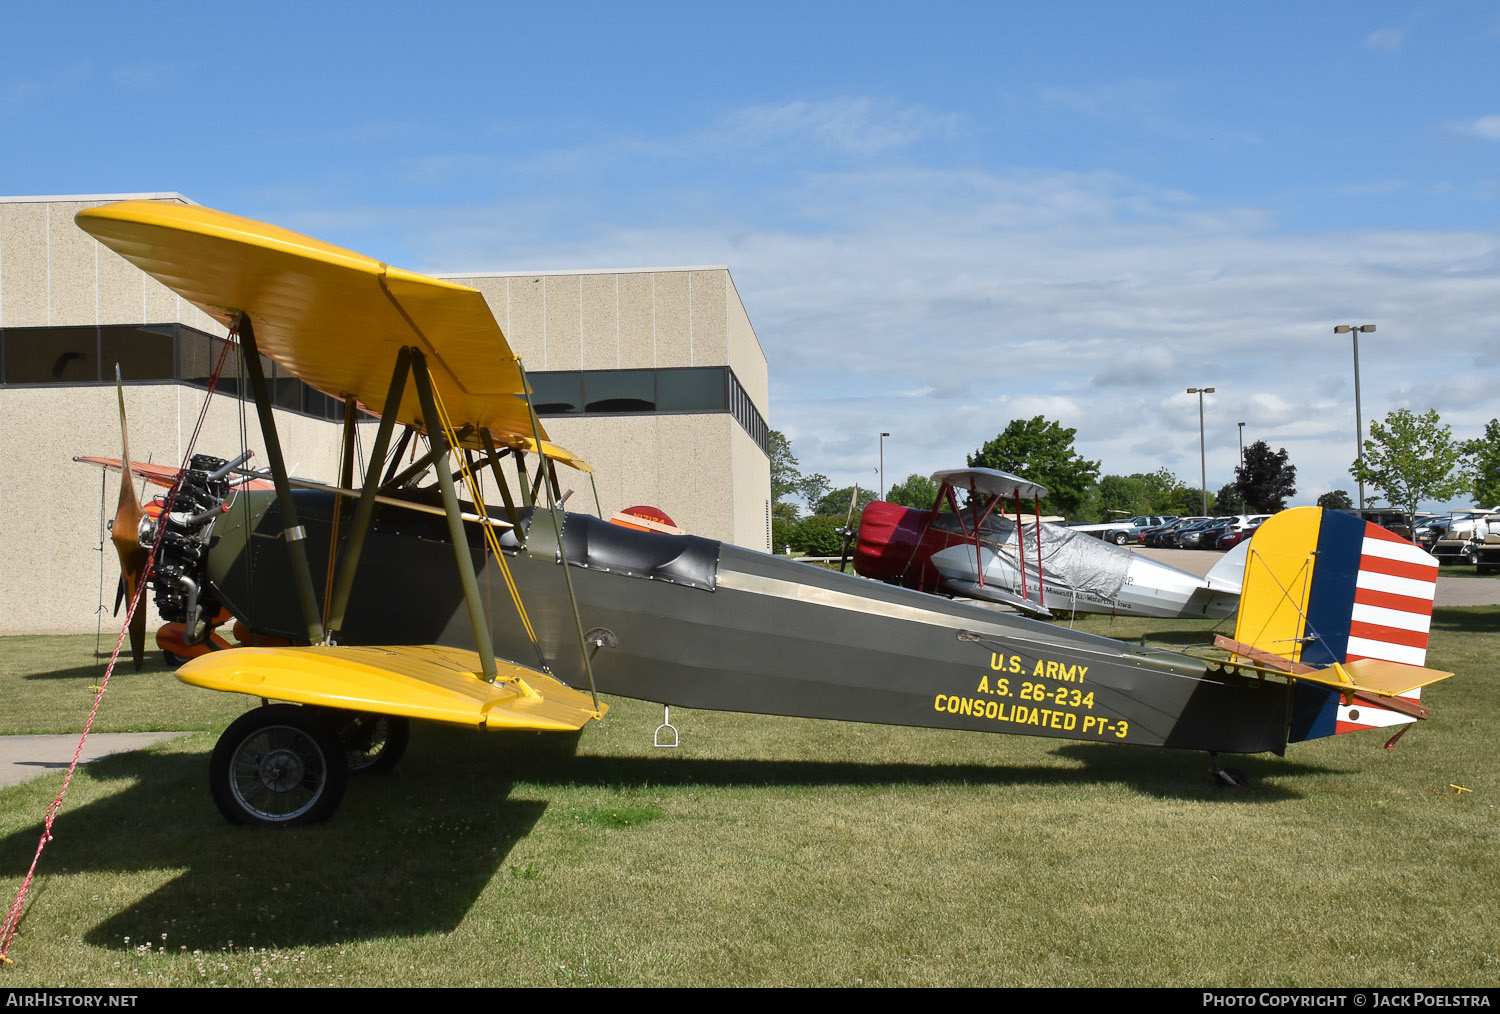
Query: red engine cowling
point(895, 544)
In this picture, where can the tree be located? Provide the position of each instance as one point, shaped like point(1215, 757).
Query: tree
point(1337, 500)
point(1228, 501)
point(813, 488)
point(818, 536)
point(1042, 451)
point(1410, 459)
point(915, 491)
point(786, 478)
point(783, 520)
point(835, 504)
point(1483, 465)
point(1265, 481)
point(1162, 490)
point(1121, 494)
point(1187, 502)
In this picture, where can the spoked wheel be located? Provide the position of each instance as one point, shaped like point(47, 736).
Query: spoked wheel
point(278, 766)
point(372, 743)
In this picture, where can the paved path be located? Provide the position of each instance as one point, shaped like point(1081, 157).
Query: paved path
point(26, 757)
point(1451, 591)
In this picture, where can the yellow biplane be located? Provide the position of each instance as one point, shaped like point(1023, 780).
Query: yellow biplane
point(402, 627)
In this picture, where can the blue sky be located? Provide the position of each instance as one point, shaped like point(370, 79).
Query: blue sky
point(939, 218)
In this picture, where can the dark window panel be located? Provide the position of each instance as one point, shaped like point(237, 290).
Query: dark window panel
point(286, 390)
point(556, 393)
point(52, 355)
point(693, 390)
point(320, 406)
point(143, 352)
point(619, 391)
point(198, 355)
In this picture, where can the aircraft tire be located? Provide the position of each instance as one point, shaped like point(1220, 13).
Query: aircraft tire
point(278, 766)
point(373, 744)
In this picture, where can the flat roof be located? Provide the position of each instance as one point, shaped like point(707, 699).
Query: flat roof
point(170, 195)
point(575, 271)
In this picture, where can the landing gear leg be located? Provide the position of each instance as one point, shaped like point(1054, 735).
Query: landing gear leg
point(1226, 777)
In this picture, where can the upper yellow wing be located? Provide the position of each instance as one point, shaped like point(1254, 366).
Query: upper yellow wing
point(333, 317)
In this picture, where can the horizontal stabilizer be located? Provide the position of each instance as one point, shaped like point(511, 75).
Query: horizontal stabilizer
point(1375, 676)
point(417, 681)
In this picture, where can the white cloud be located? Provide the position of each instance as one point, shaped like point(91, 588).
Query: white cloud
point(1385, 40)
point(938, 304)
point(1142, 103)
point(856, 126)
point(1484, 127)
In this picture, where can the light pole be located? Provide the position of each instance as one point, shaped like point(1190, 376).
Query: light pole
point(882, 464)
point(1359, 424)
point(1242, 445)
point(1202, 452)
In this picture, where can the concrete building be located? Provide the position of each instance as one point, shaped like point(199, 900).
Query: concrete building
point(655, 376)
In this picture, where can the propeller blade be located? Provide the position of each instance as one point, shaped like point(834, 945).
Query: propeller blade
point(119, 594)
point(124, 534)
point(848, 529)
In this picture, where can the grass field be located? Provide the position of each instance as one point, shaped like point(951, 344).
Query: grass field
point(769, 852)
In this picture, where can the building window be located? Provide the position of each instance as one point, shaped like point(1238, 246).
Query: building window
point(666, 391)
point(556, 393)
point(692, 390)
point(146, 354)
point(52, 355)
point(619, 391)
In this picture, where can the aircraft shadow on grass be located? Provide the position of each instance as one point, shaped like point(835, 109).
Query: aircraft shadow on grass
point(409, 855)
point(411, 852)
point(94, 671)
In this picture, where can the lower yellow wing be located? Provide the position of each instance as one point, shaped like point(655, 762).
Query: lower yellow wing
point(417, 681)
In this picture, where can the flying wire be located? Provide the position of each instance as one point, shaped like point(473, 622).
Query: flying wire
point(18, 906)
point(489, 530)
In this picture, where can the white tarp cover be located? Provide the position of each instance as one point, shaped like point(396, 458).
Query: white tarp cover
point(1072, 562)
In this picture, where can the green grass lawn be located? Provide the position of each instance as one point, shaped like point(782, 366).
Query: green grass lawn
point(768, 852)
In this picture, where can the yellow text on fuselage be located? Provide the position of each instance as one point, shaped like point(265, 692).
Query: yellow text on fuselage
point(1043, 668)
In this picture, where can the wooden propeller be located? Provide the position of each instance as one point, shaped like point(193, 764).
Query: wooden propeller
point(123, 533)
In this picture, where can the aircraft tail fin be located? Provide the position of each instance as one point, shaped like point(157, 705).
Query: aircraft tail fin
point(1228, 575)
point(1324, 589)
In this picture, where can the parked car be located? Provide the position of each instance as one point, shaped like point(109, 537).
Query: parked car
point(1192, 536)
point(1234, 536)
point(1235, 524)
point(1126, 531)
point(1430, 531)
point(1158, 536)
